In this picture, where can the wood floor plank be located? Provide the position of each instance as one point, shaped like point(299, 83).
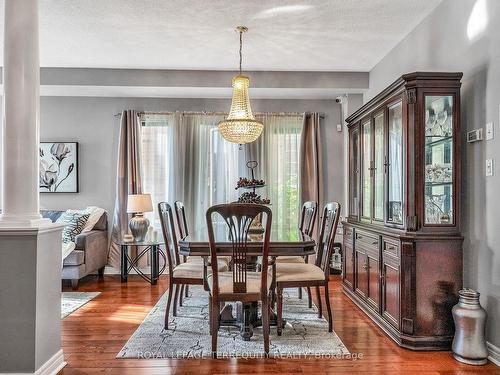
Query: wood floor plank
point(94, 334)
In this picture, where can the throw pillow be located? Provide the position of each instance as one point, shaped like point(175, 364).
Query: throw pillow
point(74, 223)
point(95, 214)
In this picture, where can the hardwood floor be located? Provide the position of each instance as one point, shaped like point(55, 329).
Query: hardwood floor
point(94, 334)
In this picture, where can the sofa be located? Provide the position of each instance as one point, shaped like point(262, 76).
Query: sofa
point(91, 250)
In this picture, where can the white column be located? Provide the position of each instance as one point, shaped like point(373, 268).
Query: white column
point(30, 247)
point(21, 106)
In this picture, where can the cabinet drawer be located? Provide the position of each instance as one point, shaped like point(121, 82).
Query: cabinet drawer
point(390, 247)
point(366, 240)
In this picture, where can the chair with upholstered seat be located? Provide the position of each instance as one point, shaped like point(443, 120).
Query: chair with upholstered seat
point(306, 227)
point(180, 273)
point(183, 232)
point(292, 275)
point(239, 284)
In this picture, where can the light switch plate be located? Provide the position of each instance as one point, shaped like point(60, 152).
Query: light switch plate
point(489, 167)
point(339, 127)
point(490, 134)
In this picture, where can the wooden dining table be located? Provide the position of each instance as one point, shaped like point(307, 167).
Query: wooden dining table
point(293, 243)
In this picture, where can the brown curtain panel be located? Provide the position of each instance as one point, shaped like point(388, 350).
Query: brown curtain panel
point(128, 180)
point(311, 163)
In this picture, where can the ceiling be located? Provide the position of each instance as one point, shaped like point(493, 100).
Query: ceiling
point(308, 35)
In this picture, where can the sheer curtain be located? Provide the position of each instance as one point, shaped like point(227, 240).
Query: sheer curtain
point(185, 158)
point(277, 152)
point(156, 160)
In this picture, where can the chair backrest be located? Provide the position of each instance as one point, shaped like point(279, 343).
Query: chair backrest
point(238, 218)
point(328, 230)
point(180, 216)
point(308, 217)
point(169, 236)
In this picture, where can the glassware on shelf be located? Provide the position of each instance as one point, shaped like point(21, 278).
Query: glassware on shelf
point(439, 172)
point(434, 208)
point(394, 164)
point(436, 173)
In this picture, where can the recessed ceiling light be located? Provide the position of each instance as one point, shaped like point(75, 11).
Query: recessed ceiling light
point(272, 12)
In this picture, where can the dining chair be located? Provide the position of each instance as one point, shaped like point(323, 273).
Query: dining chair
point(182, 227)
point(240, 284)
point(183, 231)
point(180, 273)
point(306, 227)
point(291, 275)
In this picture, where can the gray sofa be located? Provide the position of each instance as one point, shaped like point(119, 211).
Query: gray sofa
point(91, 251)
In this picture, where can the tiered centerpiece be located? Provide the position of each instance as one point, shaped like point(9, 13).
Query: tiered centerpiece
point(251, 196)
point(251, 184)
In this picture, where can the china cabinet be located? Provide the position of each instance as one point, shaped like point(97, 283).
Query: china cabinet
point(402, 240)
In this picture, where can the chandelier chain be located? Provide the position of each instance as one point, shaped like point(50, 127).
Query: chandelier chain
point(241, 48)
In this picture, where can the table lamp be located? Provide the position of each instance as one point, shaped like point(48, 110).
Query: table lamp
point(137, 204)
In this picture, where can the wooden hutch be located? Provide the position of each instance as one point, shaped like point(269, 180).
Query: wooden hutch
point(402, 240)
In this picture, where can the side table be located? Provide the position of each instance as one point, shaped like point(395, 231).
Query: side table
point(145, 247)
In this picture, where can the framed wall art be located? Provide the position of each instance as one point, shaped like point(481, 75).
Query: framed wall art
point(58, 167)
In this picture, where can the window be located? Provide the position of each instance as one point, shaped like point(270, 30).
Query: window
point(185, 158)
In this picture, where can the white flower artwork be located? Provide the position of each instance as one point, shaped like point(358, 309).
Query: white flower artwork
point(58, 167)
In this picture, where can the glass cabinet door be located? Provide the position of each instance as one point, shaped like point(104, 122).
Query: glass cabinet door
point(378, 171)
point(394, 164)
point(354, 173)
point(366, 160)
point(438, 198)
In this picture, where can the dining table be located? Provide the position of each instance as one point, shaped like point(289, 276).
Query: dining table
point(291, 243)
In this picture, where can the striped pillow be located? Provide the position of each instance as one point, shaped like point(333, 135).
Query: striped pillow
point(74, 222)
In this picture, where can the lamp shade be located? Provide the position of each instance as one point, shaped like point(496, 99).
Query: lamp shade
point(139, 203)
point(240, 126)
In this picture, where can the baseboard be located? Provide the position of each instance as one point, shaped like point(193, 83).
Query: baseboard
point(493, 353)
point(51, 367)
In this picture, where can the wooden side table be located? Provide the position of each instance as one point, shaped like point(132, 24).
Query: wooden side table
point(127, 263)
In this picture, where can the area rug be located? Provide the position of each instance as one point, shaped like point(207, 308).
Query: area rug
point(72, 301)
point(187, 337)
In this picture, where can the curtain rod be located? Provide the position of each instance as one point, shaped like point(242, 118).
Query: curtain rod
point(321, 115)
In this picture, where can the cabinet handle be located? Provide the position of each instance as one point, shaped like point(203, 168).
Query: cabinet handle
point(391, 248)
point(386, 165)
point(375, 243)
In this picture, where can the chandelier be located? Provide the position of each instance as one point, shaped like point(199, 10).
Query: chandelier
point(240, 126)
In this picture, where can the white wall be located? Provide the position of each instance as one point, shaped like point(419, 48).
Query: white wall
point(441, 43)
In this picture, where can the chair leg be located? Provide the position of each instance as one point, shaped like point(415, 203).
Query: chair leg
point(181, 295)
point(187, 291)
point(169, 301)
point(210, 328)
point(279, 312)
point(318, 297)
point(309, 297)
point(176, 299)
point(265, 323)
point(215, 326)
point(329, 309)
point(300, 293)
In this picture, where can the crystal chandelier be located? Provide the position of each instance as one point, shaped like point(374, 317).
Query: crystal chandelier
point(240, 126)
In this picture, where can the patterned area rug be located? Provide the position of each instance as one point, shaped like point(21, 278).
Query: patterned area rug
point(187, 337)
point(72, 301)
